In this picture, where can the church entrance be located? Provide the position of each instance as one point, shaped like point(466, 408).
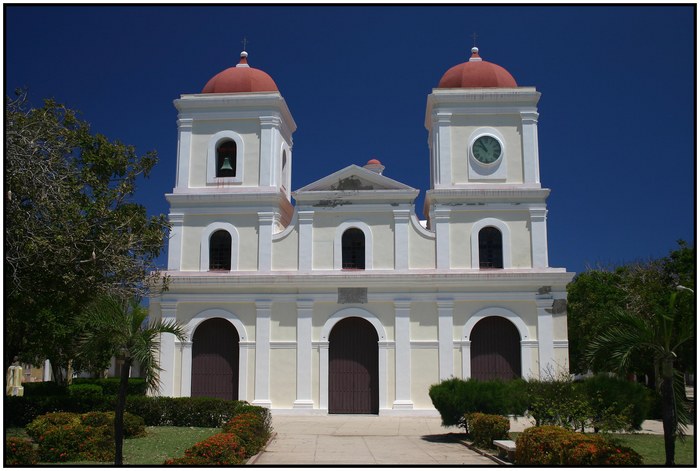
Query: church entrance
point(353, 364)
point(495, 349)
point(215, 360)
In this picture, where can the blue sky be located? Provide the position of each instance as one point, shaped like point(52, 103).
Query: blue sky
point(617, 113)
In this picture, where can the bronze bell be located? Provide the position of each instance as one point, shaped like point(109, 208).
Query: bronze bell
point(227, 164)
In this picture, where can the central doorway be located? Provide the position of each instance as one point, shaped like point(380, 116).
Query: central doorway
point(215, 360)
point(353, 368)
point(495, 349)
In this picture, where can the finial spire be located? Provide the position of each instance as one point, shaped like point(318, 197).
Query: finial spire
point(474, 36)
point(244, 55)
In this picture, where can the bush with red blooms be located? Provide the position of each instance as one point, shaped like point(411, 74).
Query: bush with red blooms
point(219, 449)
point(552, 445)
point(19, 452)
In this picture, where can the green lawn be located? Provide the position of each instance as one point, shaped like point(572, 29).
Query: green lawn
point(163, 442)
point(651, 447)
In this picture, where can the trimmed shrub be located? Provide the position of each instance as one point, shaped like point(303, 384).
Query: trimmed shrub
point(539, 445)
point(133, 424)
point(45, 388)
point(110, 386)
point(455, 397)
point(552, 445)
point(42, 424)
point(85, 390)
point(189, 411)
point(219, 449)
point(155, 411)
point(19, 452)
point(251, 430)
point(483, 429)
point(63, 437)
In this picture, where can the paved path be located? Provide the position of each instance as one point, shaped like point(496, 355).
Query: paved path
point(365, 440)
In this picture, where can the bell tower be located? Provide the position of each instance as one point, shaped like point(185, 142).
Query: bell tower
point(484, 166)
point(235, 136)
point(234, 160)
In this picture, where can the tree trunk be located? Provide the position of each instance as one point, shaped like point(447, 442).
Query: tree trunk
point(668, 411)
point(119, 413)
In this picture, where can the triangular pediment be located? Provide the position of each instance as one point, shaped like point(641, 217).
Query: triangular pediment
point(354, 178)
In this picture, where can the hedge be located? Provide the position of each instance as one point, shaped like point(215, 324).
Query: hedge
point(453, 398)
point(155, 411)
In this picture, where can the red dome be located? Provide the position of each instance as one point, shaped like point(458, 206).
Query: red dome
point(240, 79)
point(477, 73)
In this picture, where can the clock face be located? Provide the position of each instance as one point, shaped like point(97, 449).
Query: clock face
point(487, 149)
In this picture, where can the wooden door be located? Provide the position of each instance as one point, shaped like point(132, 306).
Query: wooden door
point(495, 349)
point(353, 376)
point(215, 360)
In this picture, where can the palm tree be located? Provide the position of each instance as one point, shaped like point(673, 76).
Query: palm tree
point(659, 335)
point(121, 325)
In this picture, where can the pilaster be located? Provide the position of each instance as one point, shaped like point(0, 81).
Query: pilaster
point(402, 339)
point(269, 149)
point(538, 224)
point(442, 126)
point(545, 337)
point(304, 393)
point(184, 147)
point(263, 309)
point(445, 340)
point(266, 221)
point(401, 252)
point(306, 220)
point(441, 220)
point(167, 352)
point(531, 159)
point(175, 241)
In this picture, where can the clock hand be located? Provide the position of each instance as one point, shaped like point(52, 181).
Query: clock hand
point(483, 146)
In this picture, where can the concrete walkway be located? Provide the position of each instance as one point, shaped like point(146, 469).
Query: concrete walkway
point(365, 440)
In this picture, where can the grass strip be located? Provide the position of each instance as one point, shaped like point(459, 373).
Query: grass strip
point(162, 443)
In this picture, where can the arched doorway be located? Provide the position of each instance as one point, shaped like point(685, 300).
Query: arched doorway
point(215, 360)
point(353, 368)
point(495, 349)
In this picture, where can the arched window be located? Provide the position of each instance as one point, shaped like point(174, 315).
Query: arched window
point(220, 251)
point(353, 249)
point(226, 159)
point(490, 248)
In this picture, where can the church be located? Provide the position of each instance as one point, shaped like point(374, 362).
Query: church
point(336, 298)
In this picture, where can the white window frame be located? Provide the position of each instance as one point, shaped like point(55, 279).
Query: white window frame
point(206, 237)
point(214, 142)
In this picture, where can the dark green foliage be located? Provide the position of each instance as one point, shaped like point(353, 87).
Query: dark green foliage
point(72, 231)
point(85, 390)
point(110, 386)
point(455, 397)
point(611, 395)
point(45, 388)
point(20, 410)
point(134, 425)
point(190, 411)
point(67, 436)
point(552, 445)
point(19, 452)
point(483, 429)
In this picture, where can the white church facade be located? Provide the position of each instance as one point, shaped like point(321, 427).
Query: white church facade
point(344, 302)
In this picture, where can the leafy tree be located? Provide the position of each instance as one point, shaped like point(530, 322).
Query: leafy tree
point(71, 229)
point(641, 288)
point(121, 326)
point(591, 297)
point(657, 334)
